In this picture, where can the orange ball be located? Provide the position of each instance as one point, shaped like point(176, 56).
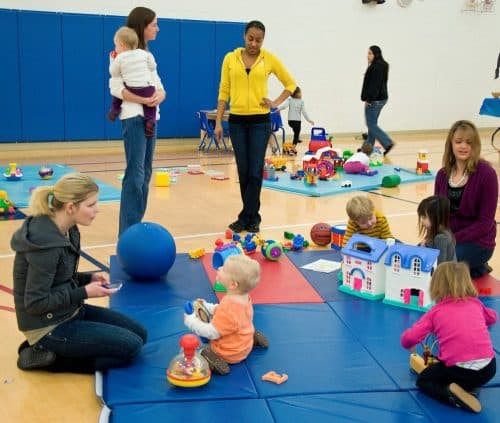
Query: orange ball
point(321, 234)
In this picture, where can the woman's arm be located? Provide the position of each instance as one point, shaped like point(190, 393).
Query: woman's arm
point(221, 108)
point(40, 296)
point(484, 199)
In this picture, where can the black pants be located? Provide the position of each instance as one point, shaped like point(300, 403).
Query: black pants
point(436, 378)
point(295, 125)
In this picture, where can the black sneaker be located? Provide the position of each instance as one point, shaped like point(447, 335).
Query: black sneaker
point(389, 148)
point(260, 340)
point(253, 228)
point(364, 135)
point(236, 226)
point(459, 397)
point(35, 357)
point(216, 364)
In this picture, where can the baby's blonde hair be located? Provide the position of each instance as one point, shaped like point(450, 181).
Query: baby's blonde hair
point(71, 188)
point(128, 37)
point(451, 280)
point(359, 207)
point(243, 270)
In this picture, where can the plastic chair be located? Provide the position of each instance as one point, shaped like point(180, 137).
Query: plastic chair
point(208, 128)
point(276, 126)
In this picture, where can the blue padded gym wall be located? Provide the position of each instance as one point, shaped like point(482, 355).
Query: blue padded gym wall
point(57, 68)
point(41, 76)
point(10, 108)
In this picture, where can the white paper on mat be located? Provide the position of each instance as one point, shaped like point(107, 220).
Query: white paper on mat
point(322, 265)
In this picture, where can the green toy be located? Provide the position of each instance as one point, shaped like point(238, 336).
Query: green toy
point(391, 181)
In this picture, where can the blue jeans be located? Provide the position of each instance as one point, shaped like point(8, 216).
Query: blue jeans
point(250, 143)
point(96, 339)
point(139, 152)
point(475, 256)
point(372, 112)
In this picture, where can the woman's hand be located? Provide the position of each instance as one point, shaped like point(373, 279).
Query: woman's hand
point(157, 98)
point(268, 102)
point(218, 131)
point(97, 289)
point(100, 277)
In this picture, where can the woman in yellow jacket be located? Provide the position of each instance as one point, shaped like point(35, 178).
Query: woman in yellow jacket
point(244, 79)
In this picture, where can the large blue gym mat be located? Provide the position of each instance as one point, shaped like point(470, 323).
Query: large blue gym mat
point(342, 357)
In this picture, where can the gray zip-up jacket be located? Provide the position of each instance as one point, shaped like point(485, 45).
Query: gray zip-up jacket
point(47, 287)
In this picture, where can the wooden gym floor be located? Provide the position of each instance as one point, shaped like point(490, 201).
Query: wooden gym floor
point(196, 210)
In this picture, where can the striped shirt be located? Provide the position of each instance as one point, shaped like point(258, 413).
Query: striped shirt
point(380, 230)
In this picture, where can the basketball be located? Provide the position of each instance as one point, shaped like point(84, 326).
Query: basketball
point(321, 234)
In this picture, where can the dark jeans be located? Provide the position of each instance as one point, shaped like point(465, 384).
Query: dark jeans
point(149, 112)
point(372, 112)
point(434, 380)
point(296, 126)
point(475, 256)
point(249, 144)
point(139, 152)
point(96, 339)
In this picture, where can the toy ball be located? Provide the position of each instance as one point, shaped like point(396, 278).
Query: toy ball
point(45, 172)
point(272, 250)
point(188, 369)
point(146, 251)
point(321, 234)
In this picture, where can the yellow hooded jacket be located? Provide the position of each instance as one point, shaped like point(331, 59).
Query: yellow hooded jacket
point(246, 91)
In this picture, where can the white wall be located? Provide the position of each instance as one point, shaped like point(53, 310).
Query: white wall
point(442, 59)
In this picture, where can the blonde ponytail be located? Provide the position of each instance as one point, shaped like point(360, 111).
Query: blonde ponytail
point(71, 188)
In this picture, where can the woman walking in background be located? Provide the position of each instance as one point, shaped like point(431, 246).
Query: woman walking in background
point(374, 94)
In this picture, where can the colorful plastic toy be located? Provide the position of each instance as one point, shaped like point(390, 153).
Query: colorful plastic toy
point(274, 377)
point(45, 172)
point(200, 311)
point(13, 173)
point(272, 250)
point(188, 369)
point(422, 163)
point(318, 140)
point(6, 205)
point(197, 253)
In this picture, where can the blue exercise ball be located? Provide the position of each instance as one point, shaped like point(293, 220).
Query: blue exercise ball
point(146, 251)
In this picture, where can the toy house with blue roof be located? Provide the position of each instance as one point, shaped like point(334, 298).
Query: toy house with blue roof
point(408, 275)
point(363, 270)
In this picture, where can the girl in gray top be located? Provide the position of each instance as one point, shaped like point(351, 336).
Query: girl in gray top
point(434, 226)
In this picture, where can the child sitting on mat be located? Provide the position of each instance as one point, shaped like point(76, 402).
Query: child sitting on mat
point(360, 162)
point(434, 225)
point(364, 219)
point(231, 332)
point(460, 321)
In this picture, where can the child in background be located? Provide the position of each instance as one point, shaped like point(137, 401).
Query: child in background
point(460, 322)
point(359, 162)
point(364, 219)
point(434, 225)
point(135, 67)
point(231, 331)
point(296, 109)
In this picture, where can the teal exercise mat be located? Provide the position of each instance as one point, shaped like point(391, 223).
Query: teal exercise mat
point(358, 182)
point(19, 191)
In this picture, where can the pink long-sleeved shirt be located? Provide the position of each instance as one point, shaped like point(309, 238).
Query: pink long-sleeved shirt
point(461, 327)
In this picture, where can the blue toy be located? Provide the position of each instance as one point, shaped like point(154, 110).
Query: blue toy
point(146, 251)
point(222, 253)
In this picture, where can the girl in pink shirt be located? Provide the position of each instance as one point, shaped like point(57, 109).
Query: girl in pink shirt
point(230, 330)
point(460, 322)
